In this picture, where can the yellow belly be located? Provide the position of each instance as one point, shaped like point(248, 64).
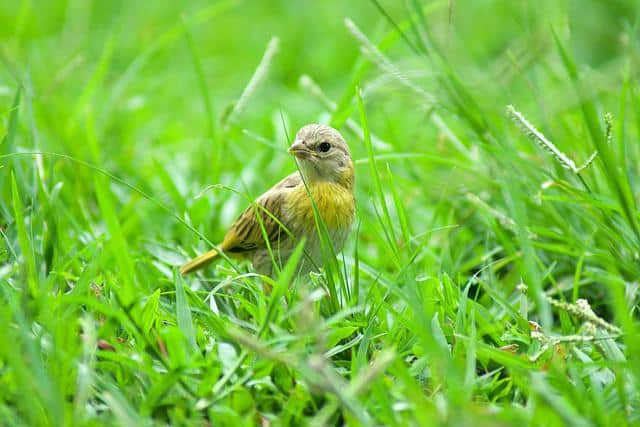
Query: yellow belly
point(334, 202)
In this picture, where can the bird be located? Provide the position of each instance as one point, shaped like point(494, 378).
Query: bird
point(326, 178)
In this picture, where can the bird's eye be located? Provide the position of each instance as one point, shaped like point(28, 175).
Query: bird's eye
point(324, 147)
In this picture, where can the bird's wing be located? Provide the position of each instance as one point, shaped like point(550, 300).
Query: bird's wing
point(245, 235)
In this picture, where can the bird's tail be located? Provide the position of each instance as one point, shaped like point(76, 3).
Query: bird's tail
point(199, 262)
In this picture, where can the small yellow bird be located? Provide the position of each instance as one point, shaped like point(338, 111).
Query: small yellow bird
point(325, 163)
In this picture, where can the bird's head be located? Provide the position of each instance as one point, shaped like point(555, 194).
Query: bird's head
point(323, 155)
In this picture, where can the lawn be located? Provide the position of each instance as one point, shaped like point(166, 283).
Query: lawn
point(491, 277)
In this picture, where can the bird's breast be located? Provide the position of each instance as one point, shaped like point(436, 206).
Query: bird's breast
point(335, 204)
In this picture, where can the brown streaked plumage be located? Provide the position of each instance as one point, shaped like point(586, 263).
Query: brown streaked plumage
point(325, 163)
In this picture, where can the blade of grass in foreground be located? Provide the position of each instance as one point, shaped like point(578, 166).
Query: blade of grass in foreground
point(183, 311)
point(118, 241)
point(388, 224)
point(33, 372)
point(30, 268)
point(7, 145)
point(284, 281)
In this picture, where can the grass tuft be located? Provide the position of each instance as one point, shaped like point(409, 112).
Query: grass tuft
point(530, 131)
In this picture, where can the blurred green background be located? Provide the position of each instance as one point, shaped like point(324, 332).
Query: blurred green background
point(139, 96)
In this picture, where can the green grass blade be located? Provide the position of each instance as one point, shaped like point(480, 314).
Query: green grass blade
point(26, 248)
point(117, 240)
point(183, 312)
point(387, 224)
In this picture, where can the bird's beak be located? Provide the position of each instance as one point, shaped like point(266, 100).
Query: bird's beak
point(299, 149)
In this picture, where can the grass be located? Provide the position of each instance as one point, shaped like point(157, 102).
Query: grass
point(491, 277)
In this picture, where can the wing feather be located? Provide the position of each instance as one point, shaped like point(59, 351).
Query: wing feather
point(245, 235)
